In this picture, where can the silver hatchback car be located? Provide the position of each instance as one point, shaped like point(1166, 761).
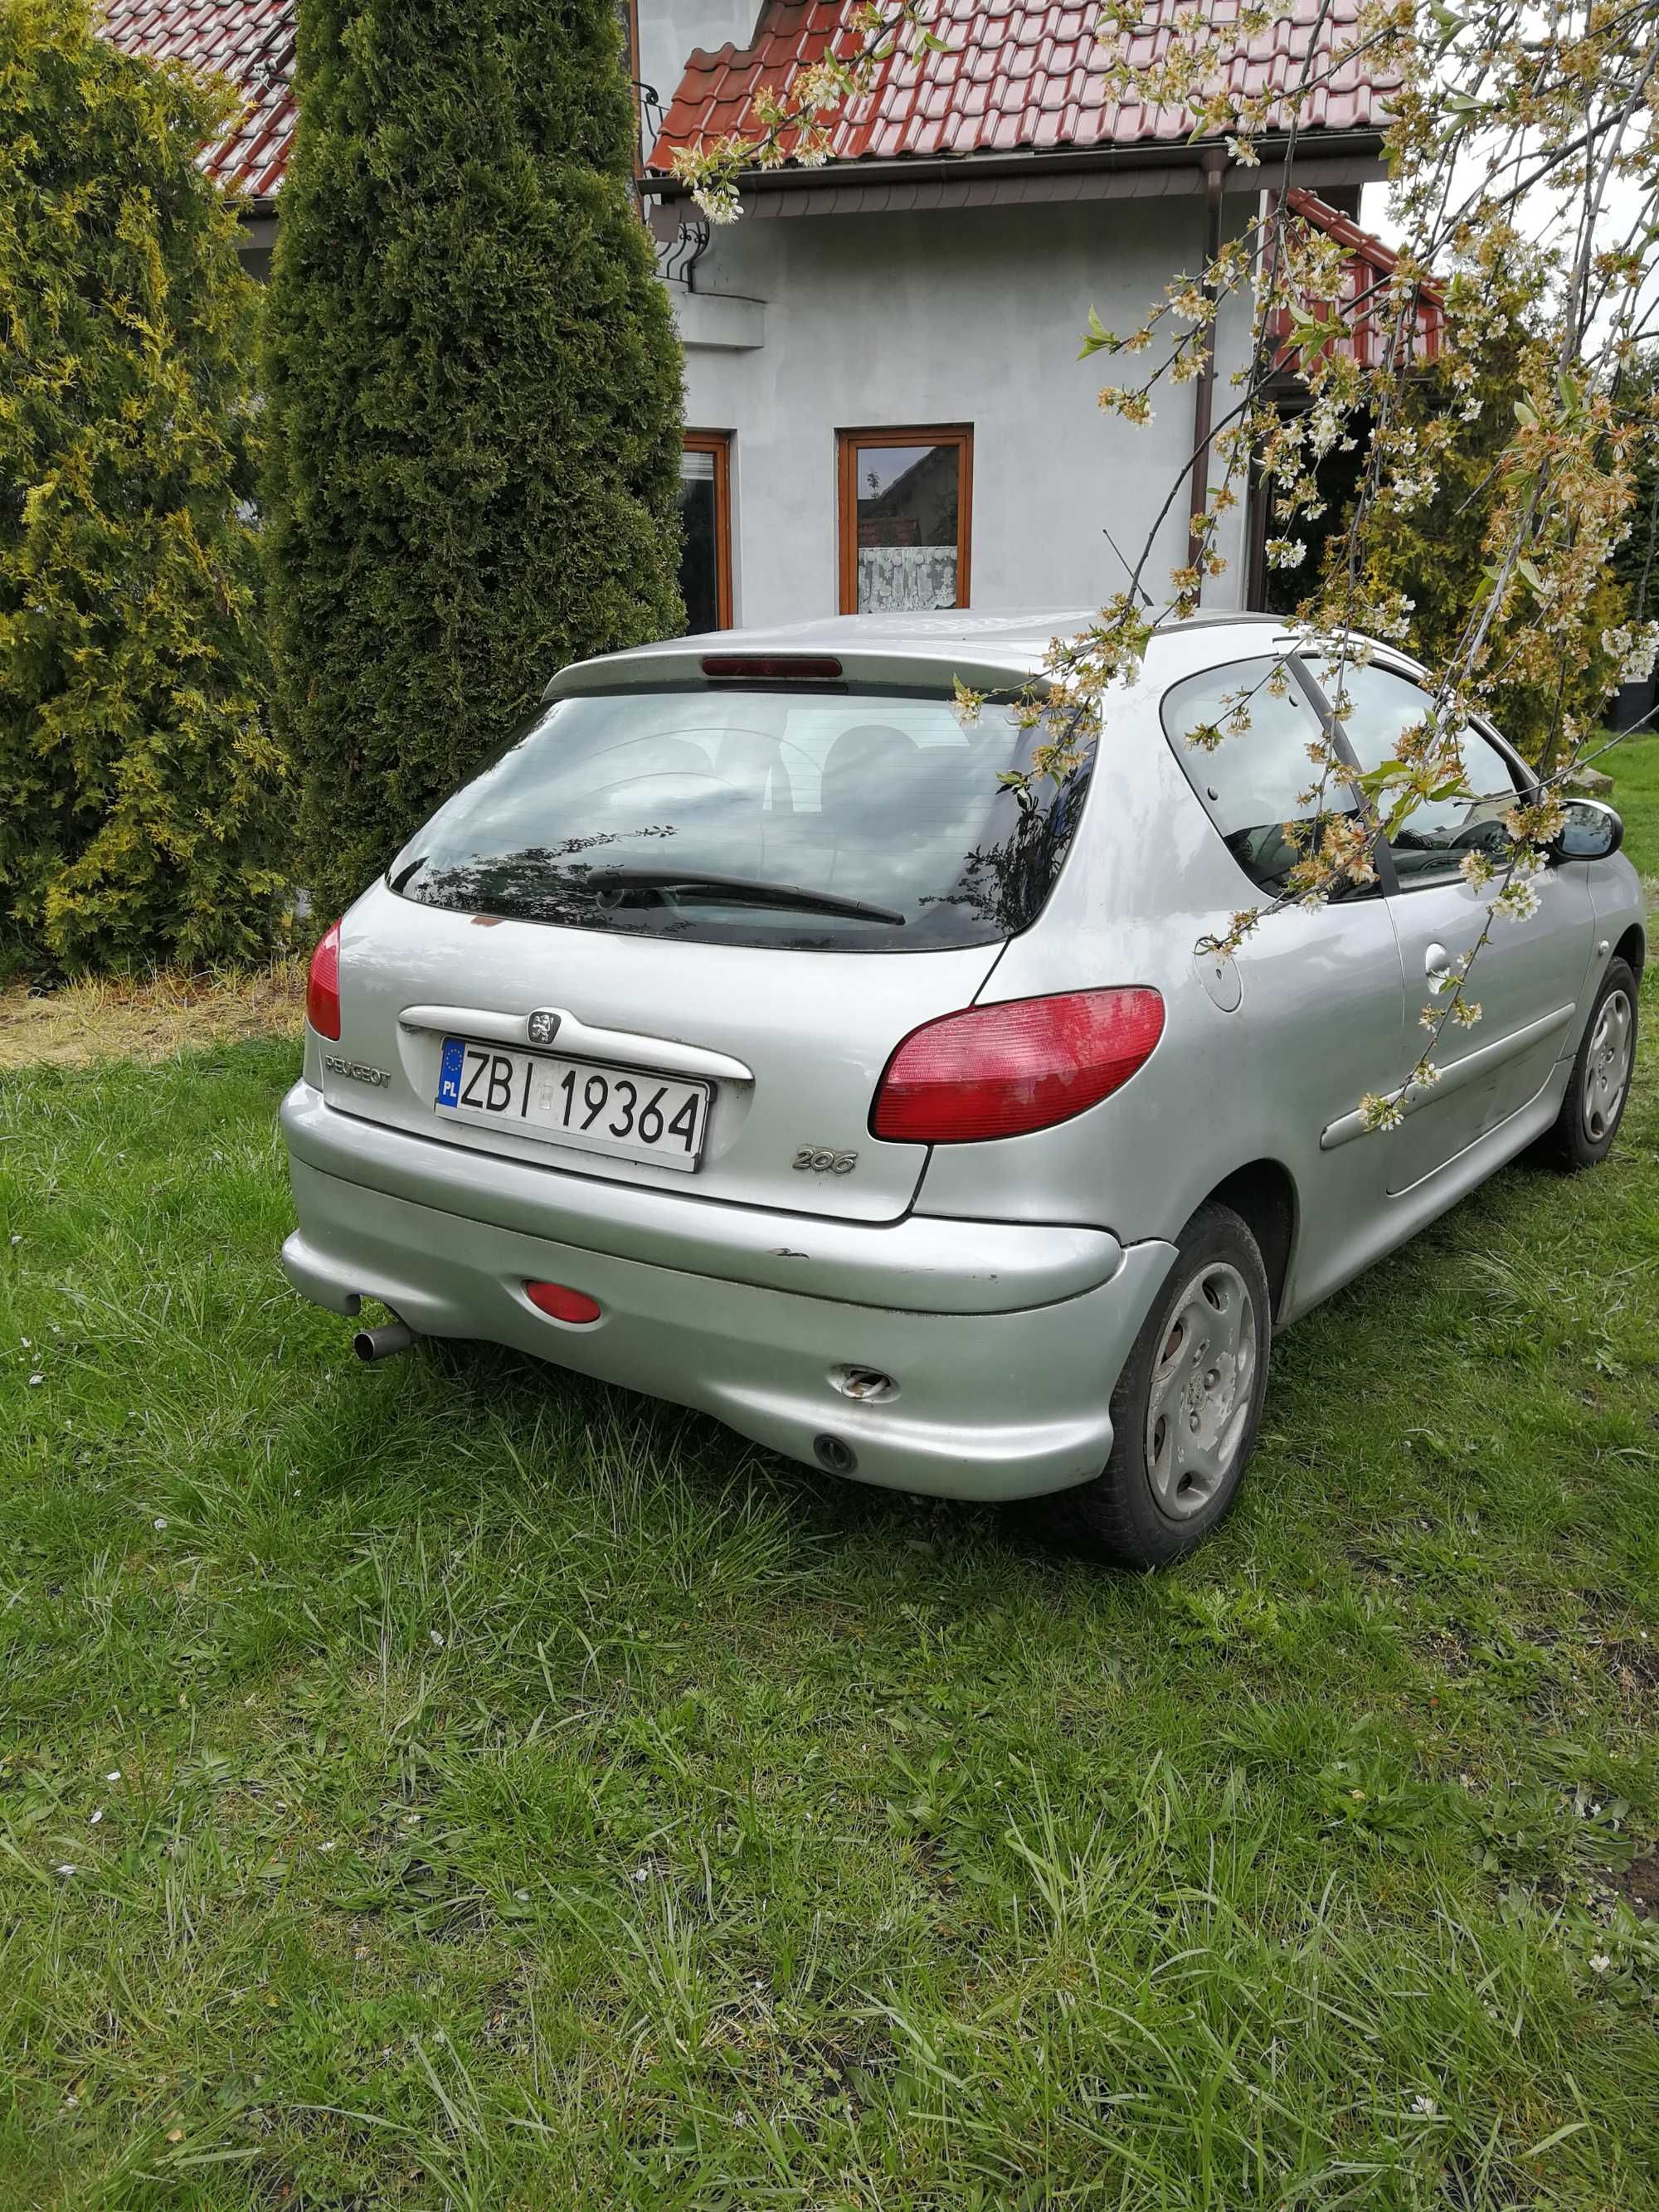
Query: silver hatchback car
point(746, 1035)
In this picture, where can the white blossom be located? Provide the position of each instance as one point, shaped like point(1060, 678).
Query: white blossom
point(1517, 901)
point(718, 202)
point(1635, 647)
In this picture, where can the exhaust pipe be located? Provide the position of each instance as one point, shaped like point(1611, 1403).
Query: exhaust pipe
point(373, 1345)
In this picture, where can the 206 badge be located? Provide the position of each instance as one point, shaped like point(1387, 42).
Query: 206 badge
point(821, 1161)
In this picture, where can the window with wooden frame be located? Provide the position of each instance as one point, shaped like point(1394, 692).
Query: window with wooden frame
point(706, 521)
point(906, 500)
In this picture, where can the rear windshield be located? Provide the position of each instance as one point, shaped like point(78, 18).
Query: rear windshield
point(821, 823)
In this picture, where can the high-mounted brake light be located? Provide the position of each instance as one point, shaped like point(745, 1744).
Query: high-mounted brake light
point(1003, 1071)
point(783, 668)
point(323, 984)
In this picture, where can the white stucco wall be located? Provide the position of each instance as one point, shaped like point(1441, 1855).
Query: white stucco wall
point(971, 315)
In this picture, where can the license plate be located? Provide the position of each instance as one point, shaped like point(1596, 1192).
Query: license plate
point(627, 1112)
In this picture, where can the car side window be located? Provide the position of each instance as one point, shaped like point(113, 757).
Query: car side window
point(1377, 707)
point(1257, 780)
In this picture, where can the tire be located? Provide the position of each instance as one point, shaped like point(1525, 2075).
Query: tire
point(1598, 1090)
point(1144, 1509)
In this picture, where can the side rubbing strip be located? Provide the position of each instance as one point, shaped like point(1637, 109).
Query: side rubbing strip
point(1469, 1069)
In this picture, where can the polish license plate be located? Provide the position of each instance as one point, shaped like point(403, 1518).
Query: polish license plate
point(628, 1112)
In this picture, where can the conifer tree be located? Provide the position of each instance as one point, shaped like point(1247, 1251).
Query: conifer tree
point(143, 809)
point(474, 388)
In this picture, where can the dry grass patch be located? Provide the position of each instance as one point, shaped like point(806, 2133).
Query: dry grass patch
point(149, 1019)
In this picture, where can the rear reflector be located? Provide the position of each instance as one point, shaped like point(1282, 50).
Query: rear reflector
point(1003, 1071)
point(323, 985)
point(786, 668)
point(561, 1303)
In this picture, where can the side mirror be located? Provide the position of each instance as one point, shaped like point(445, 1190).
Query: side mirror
point(1590, 832)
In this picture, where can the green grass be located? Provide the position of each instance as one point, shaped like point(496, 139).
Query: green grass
point(513, 1793)
point(1634, 766)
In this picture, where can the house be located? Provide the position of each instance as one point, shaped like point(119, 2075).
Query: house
point(886, 400)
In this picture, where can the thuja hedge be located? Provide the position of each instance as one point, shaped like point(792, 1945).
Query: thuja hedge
point(474, 390)
point(143, 809)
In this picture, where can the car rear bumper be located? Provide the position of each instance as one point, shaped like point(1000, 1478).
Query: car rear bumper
point(994, 1400)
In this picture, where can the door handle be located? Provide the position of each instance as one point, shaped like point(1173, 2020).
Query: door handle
point(1436, 962)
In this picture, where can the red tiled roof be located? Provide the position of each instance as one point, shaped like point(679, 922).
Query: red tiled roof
point(249, 42)
point(1364, 306)
point(1020, 75)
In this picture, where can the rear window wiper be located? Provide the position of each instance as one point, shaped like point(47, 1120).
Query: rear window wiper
point(790, 896)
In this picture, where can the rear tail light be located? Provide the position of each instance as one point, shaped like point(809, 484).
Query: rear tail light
point(323, 985)
point(1003, 1071)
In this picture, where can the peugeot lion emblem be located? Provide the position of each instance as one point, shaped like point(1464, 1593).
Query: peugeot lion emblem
point(543, 1028)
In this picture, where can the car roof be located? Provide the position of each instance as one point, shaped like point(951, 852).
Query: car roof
point(981, 648)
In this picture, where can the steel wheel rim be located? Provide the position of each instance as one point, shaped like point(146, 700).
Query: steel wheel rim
point(1203, 1387)
point(1606, 1067)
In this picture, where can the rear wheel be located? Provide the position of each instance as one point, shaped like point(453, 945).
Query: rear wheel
point(1187, 1407)
point(1598, 1089)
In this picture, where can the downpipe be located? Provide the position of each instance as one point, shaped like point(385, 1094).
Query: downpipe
point(373, 1345)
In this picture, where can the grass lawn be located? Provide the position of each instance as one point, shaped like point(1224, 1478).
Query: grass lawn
point(145, 1020)
point(454, 1785)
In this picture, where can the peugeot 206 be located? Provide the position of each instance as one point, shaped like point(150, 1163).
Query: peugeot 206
point(751, 1033)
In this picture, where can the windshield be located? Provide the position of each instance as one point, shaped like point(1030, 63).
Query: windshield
point(812, 821)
